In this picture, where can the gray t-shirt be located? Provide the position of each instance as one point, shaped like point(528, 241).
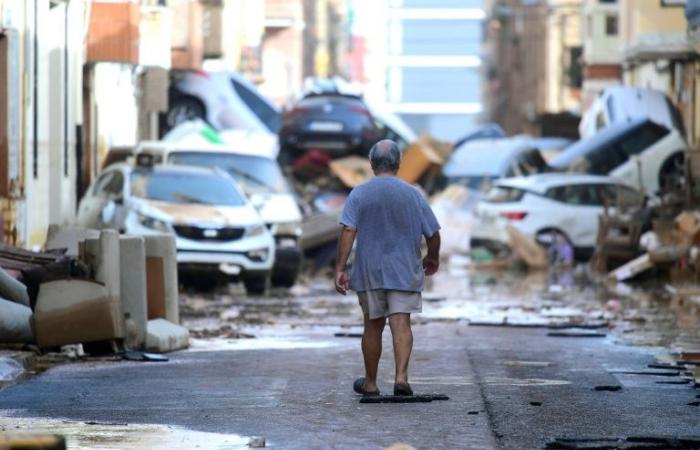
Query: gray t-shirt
point(390, 217)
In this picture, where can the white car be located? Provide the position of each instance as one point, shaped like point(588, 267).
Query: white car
point(261, 178)
point(545, 205)
point(621, 104)
point(641, 152)
point(477, 163)
point(217, 230)
point(225, 100)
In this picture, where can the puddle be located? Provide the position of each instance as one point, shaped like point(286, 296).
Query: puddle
point(84, 436)
point(265, 343)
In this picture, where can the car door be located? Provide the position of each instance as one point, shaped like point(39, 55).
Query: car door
point(583, 206)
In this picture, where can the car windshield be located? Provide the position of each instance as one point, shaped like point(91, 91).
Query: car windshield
point(185, 187)
point(253, 173)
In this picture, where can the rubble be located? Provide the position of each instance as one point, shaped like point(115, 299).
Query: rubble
point(132, 257)
point(13, 290)
point(161, 277)
point(15, 323)
point(525, 248)
point(163, 336)
point(422, 161)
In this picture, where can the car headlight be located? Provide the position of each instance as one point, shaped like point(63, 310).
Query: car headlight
point(258, 255)
point(255, 230)
point(154, 224)
point(287, 229)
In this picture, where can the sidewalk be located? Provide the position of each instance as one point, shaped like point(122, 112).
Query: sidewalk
point(297, 398)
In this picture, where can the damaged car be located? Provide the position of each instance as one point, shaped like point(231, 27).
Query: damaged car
point(261, 179)
point(217, 230)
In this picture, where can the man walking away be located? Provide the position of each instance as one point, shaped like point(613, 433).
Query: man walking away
point(389, 218)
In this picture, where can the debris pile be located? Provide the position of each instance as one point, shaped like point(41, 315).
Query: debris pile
point(96, 288)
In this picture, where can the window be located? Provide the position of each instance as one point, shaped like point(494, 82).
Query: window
point(110, 184)
point(620, 196)
point(582, 195)
point(262, 110)
point(605, 159)
point(610, 25)
point(641, 139)
point(253, 173)
point(185, 188)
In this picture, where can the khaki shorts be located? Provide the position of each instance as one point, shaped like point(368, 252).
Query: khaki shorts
point(378, 303)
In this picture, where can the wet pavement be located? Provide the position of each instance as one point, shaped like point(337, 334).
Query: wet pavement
point(498, 343)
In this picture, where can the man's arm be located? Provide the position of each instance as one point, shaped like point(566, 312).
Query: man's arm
point(342, 281)
point(431, 262)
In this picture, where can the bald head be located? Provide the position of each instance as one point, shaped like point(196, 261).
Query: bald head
point(385, 157)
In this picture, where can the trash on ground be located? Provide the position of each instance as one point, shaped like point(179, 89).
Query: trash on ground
point(418, 398)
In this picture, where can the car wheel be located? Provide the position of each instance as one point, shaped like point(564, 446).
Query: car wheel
point(672, 170)
point(183, 109)
point(284, 280)
point(257, 285)
point(548, 237)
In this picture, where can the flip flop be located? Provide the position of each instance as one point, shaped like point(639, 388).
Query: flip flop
point(359, 387)
point(402, 389)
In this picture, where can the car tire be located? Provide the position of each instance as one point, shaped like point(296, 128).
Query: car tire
point(181, 109)
point(545, 237)
point(257, 285)
point(284, 280)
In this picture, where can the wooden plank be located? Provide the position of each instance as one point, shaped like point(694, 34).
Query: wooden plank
point(632, 268)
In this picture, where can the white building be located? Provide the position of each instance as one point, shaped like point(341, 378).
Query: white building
point(423, 61)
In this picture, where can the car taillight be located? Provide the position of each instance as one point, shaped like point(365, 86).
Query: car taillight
point(359, 109)
point(298, 110)
point(514, 215)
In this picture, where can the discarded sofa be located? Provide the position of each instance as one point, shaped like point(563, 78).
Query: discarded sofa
point(76, 311)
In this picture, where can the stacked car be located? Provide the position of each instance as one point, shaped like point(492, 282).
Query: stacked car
point(632, 146)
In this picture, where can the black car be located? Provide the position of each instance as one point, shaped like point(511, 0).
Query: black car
point(337, 124)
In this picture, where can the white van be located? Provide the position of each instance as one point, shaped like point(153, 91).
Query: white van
point(260, 177)
point(622, 104)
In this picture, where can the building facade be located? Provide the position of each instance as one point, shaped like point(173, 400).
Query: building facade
point(423, 61)
point(533, 66)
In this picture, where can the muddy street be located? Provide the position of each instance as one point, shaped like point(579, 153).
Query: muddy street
point(524, 359)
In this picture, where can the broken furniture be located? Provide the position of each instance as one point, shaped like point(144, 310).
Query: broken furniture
point(76, 311)
point(161, 277)
point(132, 274)
point(15, 323)
point(164, 336)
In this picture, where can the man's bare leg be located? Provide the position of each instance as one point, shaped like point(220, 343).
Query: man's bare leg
point(372, 350)
point(402, 335)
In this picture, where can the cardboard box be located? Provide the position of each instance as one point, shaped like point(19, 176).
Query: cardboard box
point(421, 155)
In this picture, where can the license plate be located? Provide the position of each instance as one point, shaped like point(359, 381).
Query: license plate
point(325, 126)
